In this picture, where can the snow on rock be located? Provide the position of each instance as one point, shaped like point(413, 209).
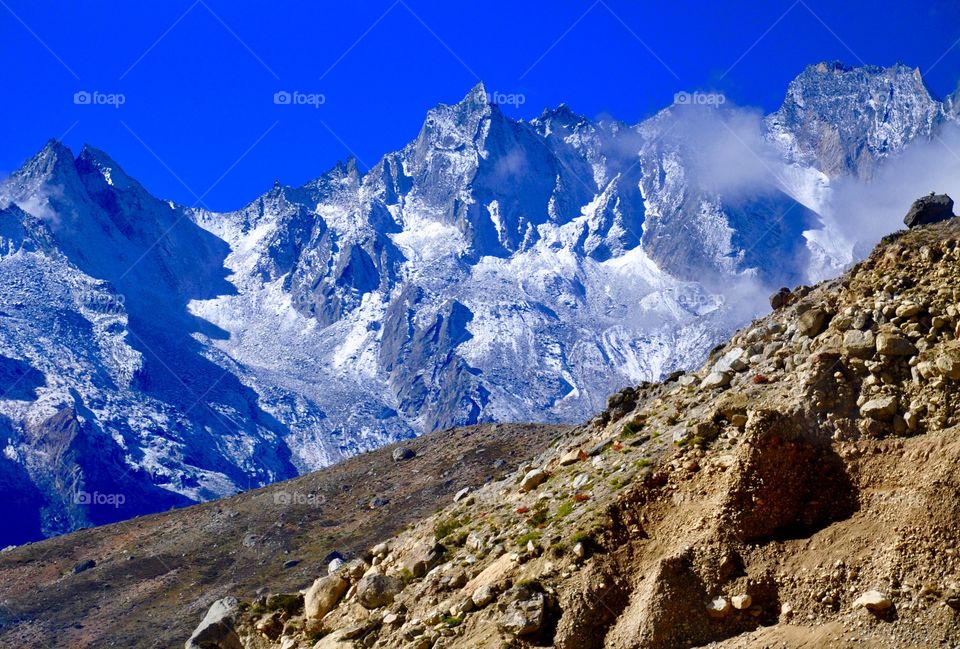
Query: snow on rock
point(491, 270)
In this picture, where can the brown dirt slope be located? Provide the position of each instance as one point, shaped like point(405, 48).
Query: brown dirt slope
point(155, 576)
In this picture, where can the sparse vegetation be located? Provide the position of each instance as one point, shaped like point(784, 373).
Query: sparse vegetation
point(526, 538)
point(446, 527)
point(632, 427)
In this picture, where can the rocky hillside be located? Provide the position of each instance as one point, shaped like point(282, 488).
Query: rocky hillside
point(145, 582)
point(800, 490)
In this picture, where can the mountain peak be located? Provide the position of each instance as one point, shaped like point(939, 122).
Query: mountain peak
point(562, 115)
point(53, 163)
point(93, 160)
point(478, 94)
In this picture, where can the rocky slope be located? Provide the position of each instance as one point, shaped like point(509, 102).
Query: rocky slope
point(142, 583)
point(491, 270)
point(801, 489)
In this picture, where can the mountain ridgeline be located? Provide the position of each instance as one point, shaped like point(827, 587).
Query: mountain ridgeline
point(493, 269)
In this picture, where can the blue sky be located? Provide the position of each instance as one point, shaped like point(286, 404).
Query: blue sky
point(198, 120)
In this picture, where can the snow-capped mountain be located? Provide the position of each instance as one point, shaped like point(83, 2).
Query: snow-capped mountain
point(491, 270)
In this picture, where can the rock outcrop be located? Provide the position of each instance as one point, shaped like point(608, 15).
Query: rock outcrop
point(929, 209)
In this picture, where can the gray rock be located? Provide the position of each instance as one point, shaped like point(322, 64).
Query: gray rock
point(716, 380)
point(687, 380)
point(929, 209)
point(484, 595)
point(374, 591)
point(718, 607)
point(83, 566)
point(216, 630)
point(460, 495)
point(732, 361)
point(533, 479)
point(860, 344)
point(403, 453)
point(524, 615)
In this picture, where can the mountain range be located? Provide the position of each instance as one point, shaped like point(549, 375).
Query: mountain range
point(492, 270)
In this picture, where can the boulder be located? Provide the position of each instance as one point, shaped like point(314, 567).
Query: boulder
point(716, 380)
point(533, 479)
point(893, 344)
point(741, 602)
point(570, 457)
point(83, 566)
point(882, 408)
point(323, 595)
point(929, 209)
point(908, 310)
point(734, 360)
point(718, 607)
point(376, 590)
point(873, 600)
point(860, 344)
point(812, 322)
point(403, 453)
point(462, 494)
point(525, 614)
point(216, 630)
point(484, 595)
point(949, 366)
point(424, 558)
point(780, 299)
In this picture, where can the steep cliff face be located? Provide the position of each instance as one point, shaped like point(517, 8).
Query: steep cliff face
point(95, 280)
point(844, 120)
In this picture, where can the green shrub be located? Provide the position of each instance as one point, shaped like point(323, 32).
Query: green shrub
point(451, 620)
point(632, 427)
point(442, 529)
point(530, 536)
